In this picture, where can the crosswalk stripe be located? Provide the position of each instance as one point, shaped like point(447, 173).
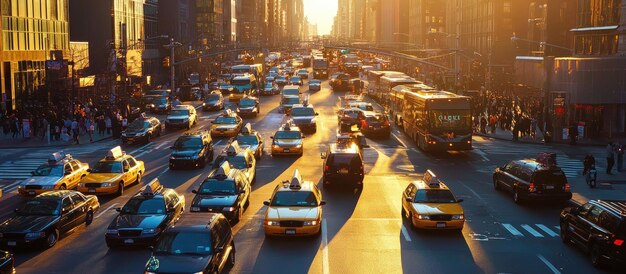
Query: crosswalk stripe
point(532, 231)
point(558, 227)
point(513, 230)
point(547, 230)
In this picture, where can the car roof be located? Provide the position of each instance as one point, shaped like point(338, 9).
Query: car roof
point(182, 107)
point(617, 207)
point(118, 159)
point(533, 165)
point(343, 149)
point(56, 194)
point(196, 223)
point(421, 184)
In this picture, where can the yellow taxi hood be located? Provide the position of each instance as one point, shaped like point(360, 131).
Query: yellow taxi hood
point(438, 208)
point(101, 177)
point(225, 126)
point(285, 213)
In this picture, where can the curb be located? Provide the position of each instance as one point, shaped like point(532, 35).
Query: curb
point(58, 145)
point(534, 143)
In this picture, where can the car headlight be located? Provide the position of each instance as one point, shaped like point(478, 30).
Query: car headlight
point(123, 134)
point(47, 187)
point(141, 133)
point(195, 157)
point(273, 223)
point(20, 186)
point(195, 208)
point(34, 235)
point(310, 223)
point(152, 230)
point(81, 185)
point(229, 209)
point(275, 146)
point(299, 146)
point(111, 231)
point(423, 217)
point(458, 217)
point(172, 158)
point(238, 110)
point(203, 104)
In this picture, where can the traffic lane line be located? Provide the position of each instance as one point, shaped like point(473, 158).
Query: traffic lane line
point(548, 264)
point(325, 267)
point(398, 138)
point(11, 187)
point(405, 233)
point(107, 209)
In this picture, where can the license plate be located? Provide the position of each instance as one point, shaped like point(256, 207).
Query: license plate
point(91, 190)
point(11, 243)
point(441, 225)
point(285, 150)
point(290, 231)
point(343, 171)
point(31, 193)
point(129, 241)
point(549, 187)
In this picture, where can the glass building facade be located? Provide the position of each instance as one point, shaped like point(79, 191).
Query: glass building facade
point(30, 30)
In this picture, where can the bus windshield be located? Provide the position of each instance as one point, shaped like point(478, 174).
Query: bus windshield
point(451, 119)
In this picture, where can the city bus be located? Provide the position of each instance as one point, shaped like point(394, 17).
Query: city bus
point(387, 82)
point(245, 84)
point(438, 120)
point(396, 99)
point(373, 80)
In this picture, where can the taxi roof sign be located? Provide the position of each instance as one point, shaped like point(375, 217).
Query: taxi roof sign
point(223, 170)
point(296, 180)
point(233, 148)
point(151, 188)
point(227, 112)
point(431, 179)
point(247, 129)
point(58, 156)
point(115, 153)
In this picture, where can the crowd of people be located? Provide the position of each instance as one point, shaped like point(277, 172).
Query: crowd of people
point(510, 113)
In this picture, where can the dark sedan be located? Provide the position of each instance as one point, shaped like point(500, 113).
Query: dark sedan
point(7, 263)
point(376, 125)
point(213, 101)
point(43, 219)
point(248, 106)
point(157, 104)
point(142, 130)
point(144, 217)
point(228, 195)
point(192, 149)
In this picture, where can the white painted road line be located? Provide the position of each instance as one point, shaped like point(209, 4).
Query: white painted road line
point(160, 145)
point(325, 268)
point(139, 148)
point(398, 138)
point(143, 153)
point(548, 264)
point(482, 154)
point(11, 187)
point(532, 231)
point(547, 230)
point(405, 233)
point(102, 212)
point(513, 230)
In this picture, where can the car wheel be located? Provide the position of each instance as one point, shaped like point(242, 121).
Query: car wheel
point(89, 217)
point(52, 238)
point(138, 179)
point(403, 212)
point(563, 233)
point(238, 215)
point(231, 257)
point(254, 179)
point(120, 189)
point(202, 163)
point(517, 198)
point(413, 226)
point(247, 203)
point(62, 187)
point(596, 255)
point(496, 185)
point(148, 138)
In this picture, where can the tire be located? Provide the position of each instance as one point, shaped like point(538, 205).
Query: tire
point(238, 215)
point(563, 233)
point(595, 254)
point(411, 221)
point(62, 187)
point(253, 180)
point(403, 212)
point(148, 138)
point(138, 180)
point(496, 185)
point(89, 217)
point(52, 238)
point(231, 257)
point(517, 198)
point(120, 189)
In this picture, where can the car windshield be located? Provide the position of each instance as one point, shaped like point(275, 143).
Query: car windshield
point(365, 107)
point(314, 82)
point(226, 120)
point(269, 85)
point(139, 205)
point(179, 112)
point(249, 140)
point(376, 118)
point(184, 143)
point(212, 186)
point(294, 198)
point(212, 98)
point(352, 114)
point(247, 103)
point(292, 92)
point(240, 82)
point(281, 78)
point(238, 162)
point(139, 124)
point(291, 100)
point(434, 196)
point(184, 243)
point(107, 167)
point(287, 135)
point(295, 79)
point(550, 176)
point(40, 206)
point(49, 170)
point(302, 112)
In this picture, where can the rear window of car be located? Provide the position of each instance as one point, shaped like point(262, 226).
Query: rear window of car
point(351, 160)
point(375, 119)
point(550, 176)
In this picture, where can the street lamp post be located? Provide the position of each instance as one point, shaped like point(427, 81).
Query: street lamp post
point(172, 45)
point(457, 58)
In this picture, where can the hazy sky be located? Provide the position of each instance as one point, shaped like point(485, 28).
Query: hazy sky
point(321, 12)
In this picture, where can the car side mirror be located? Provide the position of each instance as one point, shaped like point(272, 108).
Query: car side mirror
point(126, 169)
point(271, 137)
point(408, 199)
point(89, 170)
point(459, 200)
point(317, 114)
point(323, 155)
point(322, 202)
point(194, 191)
point(249, 165)
point(267, 203)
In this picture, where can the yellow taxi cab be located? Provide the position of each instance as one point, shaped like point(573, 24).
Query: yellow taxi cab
point(295, 209)
point(61, 171)
point(429, 204)
point(228, 124)
point(111, 174)
point(288, 140)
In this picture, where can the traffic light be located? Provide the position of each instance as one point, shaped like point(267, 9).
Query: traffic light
point(166, 62)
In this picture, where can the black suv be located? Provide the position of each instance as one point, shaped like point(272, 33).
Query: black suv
point(343, 163)
point(531, 180)
point(599, 227)
point(194, 246)
point(145, 216)
point(192, 149)
point(226, 190)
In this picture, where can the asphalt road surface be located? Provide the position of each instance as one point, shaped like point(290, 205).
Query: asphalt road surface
point(362, 232)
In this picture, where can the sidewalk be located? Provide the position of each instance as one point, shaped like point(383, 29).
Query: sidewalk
point(609, 187)
point(508, 136)
point(6, 141)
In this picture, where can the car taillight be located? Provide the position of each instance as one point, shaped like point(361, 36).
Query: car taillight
point(566, 187)
point(531, 187)
point(364, 123)
point(618, 242)
point(386, 123)
point(325, 168)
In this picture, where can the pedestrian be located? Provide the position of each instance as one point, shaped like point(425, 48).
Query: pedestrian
point(44, 128)
point(573, 134)
point(75, 128)
point(90, 130)
point(610, 158)
point(14, 127)
point(588, 163)
point(533, 128)
point(483, 124)
point(619, 150)
point(108, 124)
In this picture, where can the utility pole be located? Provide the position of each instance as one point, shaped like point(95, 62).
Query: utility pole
point(172, 45)
point(457, 61)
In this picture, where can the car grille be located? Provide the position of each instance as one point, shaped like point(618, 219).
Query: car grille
point(13, 236)
point(129, 232)
point(441, 217)
point(212, 209)
point(92, 185)
point(176, 121)
point(130, 135)
point(32, 187)
point(291, 223)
